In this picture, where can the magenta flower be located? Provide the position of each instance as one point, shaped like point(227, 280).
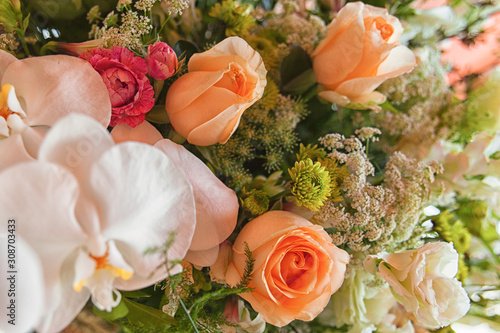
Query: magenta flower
point(162, 61)
point(125, 76)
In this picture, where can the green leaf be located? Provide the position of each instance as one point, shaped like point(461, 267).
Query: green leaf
point(301, 83)
point(294, 64)
point(117, 312)
point(388, 106)
point(26, 23)
point(135, 294)
point(185, 49)
point(139, 313)
point(158, 115)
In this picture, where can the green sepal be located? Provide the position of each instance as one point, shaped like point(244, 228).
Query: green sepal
point(139, 313)
point(301, 83)
point(117, 312)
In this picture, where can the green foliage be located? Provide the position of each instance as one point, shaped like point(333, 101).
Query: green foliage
point(264, 136)
point(233, 17)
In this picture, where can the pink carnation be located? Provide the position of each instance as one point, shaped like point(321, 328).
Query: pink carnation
point(162, 61)
point(125, 76)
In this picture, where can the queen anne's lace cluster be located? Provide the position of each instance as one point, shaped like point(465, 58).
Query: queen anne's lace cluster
point(381, 216)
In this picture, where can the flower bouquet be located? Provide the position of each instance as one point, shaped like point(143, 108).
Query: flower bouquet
point(249, 166)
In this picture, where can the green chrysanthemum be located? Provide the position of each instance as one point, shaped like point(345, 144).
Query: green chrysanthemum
point(311, 184)
point(452, 230)
point(312, 152)
point(257, 202)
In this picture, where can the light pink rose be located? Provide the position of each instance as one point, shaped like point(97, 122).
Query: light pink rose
point(162, 61)
point(297, 268)
point(423, 281)
point(125, 76)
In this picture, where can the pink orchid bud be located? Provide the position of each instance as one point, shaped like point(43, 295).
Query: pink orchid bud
point(231, 311)
point(162, 61)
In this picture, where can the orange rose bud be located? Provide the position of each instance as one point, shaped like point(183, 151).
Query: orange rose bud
point(205, 105)
point(360, 52)
point(297, 268)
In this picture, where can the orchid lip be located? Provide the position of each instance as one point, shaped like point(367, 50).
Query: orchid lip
point(97, 274)
point(11, 112)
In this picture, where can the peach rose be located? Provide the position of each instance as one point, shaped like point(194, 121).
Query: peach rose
point(360, 52)
point(423, 281)
point(205, 105)
point(296, 270)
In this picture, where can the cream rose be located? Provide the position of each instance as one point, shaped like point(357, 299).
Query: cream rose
point(360, 52)
point(423, 281)
point(205, 105)
point(296, 270)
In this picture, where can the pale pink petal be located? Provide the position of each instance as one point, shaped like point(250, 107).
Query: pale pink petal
point(144, 132)
point(13, 151)
point(203, 258)
point(42, 198)
point(75, 142)
point(216, 204)
point(142, 199)
point(28, 309)
point(50, 87)
point(5, 60)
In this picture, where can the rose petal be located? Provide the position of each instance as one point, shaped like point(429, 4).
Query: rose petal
point(50, 87)
point(344, 43)
point(144, 132)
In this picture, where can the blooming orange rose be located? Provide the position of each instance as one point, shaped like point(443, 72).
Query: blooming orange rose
point(360, 52)
point(296, 270)
point(205, 105)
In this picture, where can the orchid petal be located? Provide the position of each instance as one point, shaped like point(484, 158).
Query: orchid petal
point(13, 103)
point(52, 86)
point(216, 204)
point(29, 298)
point(13, 151)
point(5, 60)
point(69, 303)
point(143, 199)
point(42, 197)
point(203, 258)
point(75, 142)
point(4, 129)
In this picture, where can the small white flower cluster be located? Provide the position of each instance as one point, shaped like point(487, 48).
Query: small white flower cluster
point(368, 133)
point(175, 7)
point(375, 217)
point(8, 41)
point(145, 5)
point(298, 30)
point(427, 111)
point(127, 34)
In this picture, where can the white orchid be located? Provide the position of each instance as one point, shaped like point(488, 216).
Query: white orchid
point(36, 92)
point(91, 210)
point(18, 284)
